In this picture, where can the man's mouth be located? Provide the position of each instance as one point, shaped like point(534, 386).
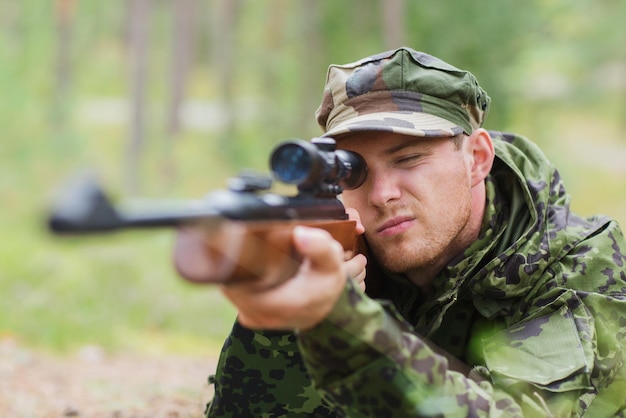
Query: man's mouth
point(395, 226)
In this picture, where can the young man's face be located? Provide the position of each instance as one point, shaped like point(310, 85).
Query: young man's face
point(416, 202)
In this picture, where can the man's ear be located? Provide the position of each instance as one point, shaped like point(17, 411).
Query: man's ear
point(481, 149)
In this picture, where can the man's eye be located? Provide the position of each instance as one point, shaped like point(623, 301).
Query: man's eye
point(407, 159)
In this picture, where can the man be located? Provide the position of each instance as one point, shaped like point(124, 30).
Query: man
point(484, 294)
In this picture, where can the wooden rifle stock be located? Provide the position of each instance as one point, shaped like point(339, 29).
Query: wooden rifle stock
point(236, 251)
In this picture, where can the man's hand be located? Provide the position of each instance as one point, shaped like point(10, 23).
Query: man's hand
point(303, 300)
point(299, 302)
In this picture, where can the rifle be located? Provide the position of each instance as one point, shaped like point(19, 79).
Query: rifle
point(246, 227)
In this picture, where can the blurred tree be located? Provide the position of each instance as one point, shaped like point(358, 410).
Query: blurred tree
point(139, 12)
point(65, 11)
point(183, 47)
point(223, 31)
point(181, 59)
point(277, 73)
point(311, 52)
point(393, 12)
point(9, 20)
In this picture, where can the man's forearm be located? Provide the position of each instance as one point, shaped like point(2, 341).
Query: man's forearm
point(366, 362)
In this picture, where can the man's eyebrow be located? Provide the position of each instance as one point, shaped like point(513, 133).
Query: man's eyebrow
point(399, 147)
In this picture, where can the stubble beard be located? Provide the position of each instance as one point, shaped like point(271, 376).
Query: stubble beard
point(424, 247)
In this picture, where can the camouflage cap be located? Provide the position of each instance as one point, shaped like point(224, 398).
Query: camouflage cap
point(402, 91)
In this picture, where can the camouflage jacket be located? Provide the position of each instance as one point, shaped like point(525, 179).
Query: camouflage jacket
point(535, 307)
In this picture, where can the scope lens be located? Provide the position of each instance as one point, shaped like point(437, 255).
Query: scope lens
point(355, 169)
point(291, 163)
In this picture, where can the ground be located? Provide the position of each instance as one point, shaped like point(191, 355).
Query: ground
point(91, 383)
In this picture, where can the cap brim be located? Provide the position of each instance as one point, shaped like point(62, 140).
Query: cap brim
point(406, 123)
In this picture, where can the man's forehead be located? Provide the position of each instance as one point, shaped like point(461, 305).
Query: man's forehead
point(387, 142)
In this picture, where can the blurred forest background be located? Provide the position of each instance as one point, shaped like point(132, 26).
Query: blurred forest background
point(170, 98)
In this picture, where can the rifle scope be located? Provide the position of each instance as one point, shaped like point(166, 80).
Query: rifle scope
point(317, 166)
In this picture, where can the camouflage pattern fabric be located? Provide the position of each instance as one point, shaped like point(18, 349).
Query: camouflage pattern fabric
point(261, 374)
point(404, 91)
point(535, 306)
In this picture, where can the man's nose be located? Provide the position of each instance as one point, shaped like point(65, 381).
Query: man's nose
point(382, 189)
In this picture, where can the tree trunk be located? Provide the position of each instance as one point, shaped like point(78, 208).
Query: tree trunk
point(182, 55)
point(312, 75)
point(224, 28)
point(393, 22)
point(138, 40)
